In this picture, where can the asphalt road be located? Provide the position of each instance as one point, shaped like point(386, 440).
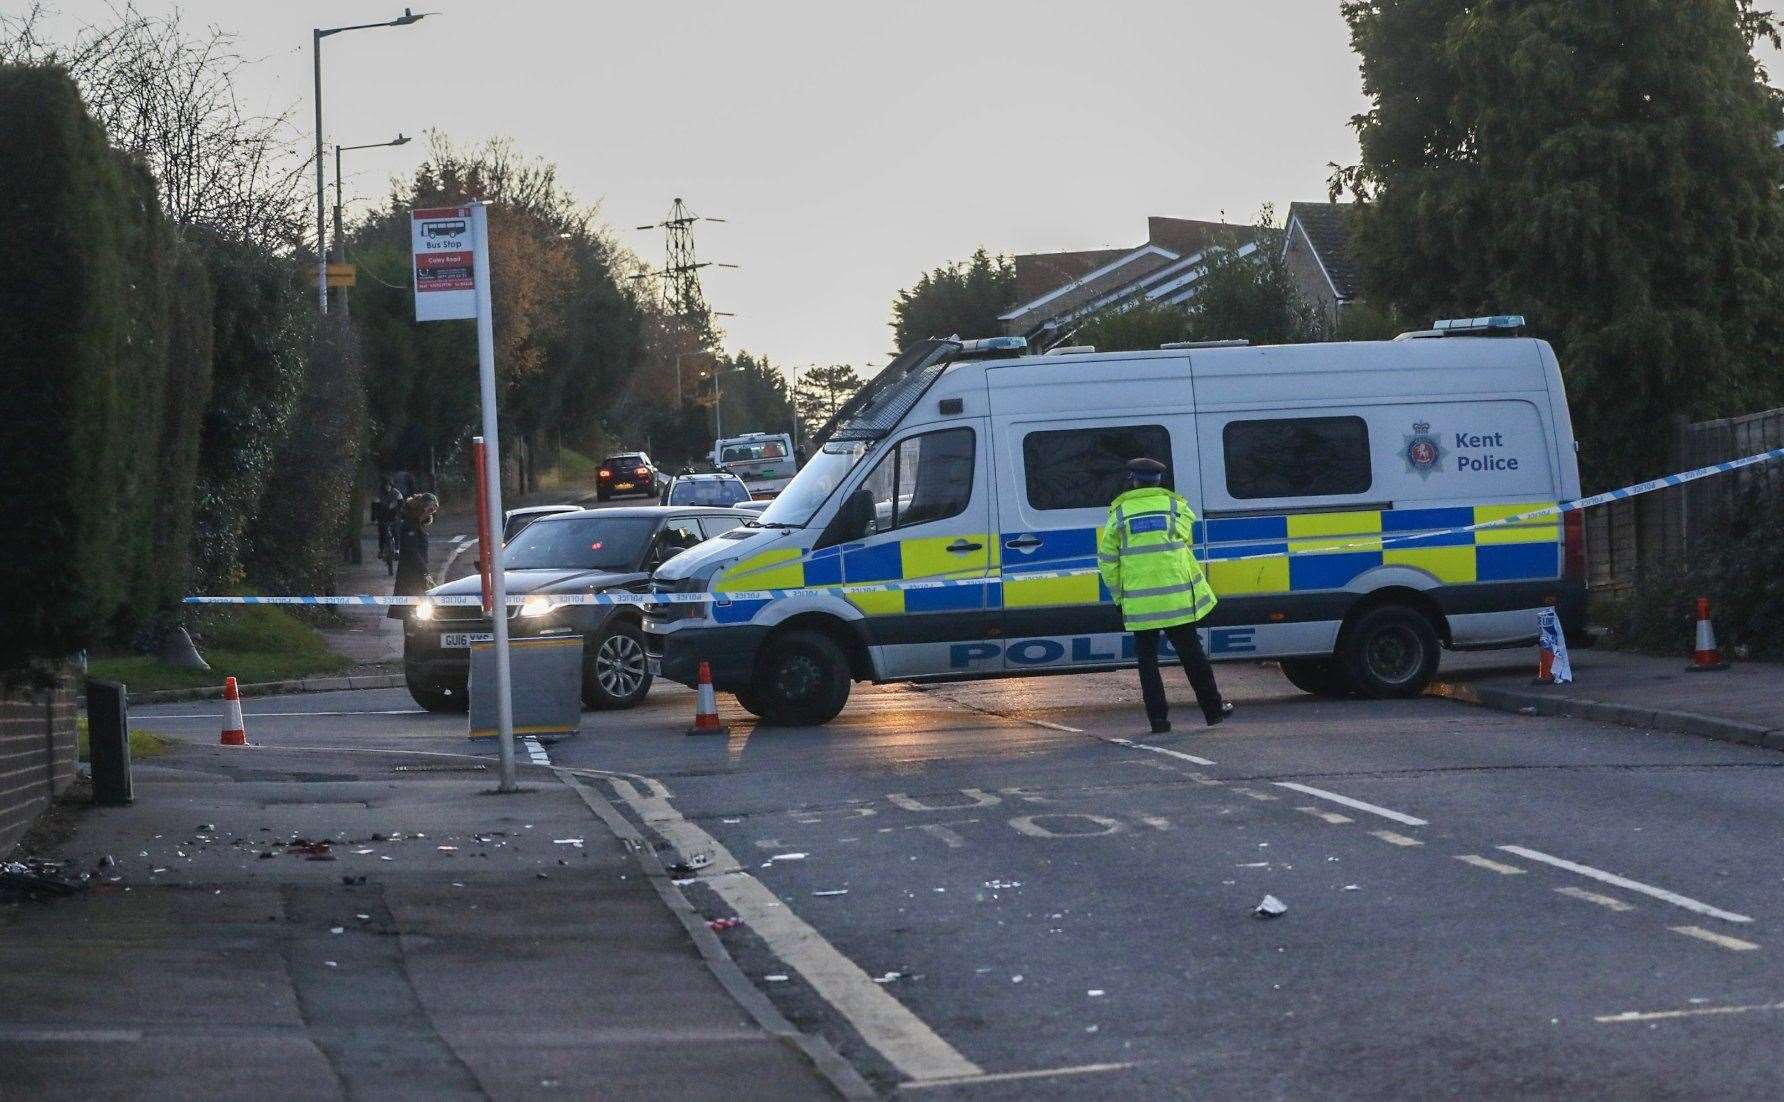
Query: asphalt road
point(976, 891)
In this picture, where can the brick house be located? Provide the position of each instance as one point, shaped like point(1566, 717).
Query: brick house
point(1056, 292)
point(1316, 248)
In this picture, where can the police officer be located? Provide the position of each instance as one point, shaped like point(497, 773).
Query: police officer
point(1146, 557)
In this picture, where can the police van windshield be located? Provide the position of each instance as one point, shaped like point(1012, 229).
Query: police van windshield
point(814, 484)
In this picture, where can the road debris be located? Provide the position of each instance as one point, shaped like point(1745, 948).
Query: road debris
point(832, 891)
point(577, 842)
point(778, 977)
point(888, 977)
point(720, 925)
point(1270, 907)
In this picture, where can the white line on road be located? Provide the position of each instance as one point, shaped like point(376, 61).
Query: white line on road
point(1714, 938)
point(886, 1024)
point(1606, 901)
point(1490, 865)
point(1052, 726)
point(145, 717)
point(1355, 805)
point(1396, 839)
point(1329, 816)
point(1694, 1012)
point(1612, 878)
point(1253, 793)
point(1010, 1076)
point(535, 751)
point(39, 1035)
point(1178, 754)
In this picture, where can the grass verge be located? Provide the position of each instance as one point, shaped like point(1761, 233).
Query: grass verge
point(143, 744)
point(251, 644)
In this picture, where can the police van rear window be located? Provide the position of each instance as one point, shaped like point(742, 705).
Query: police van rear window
point(1297, 457)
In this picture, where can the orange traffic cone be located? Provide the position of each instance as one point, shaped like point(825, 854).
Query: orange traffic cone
point(1545, 665)
point(1707, 655)
point(234, 734)
point(706, 712)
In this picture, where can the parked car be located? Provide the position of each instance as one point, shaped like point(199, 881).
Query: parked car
point(462, 561)
point(628, 473)
point(584, 551)
point(706, 489)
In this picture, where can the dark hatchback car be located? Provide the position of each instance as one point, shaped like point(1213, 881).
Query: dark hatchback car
point(628, 473)
point(587, 551)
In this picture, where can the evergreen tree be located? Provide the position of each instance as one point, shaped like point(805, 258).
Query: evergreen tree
point(821, 392)
point(961, 299)
point(1608, 170)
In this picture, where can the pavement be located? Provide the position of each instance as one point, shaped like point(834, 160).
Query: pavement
point(1004, 889)
point(452, 943)
point(1744, 703)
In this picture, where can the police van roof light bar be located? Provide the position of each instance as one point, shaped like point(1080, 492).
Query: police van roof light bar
point(1498, 323)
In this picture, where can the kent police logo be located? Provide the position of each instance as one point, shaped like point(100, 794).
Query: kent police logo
point(1423, 452)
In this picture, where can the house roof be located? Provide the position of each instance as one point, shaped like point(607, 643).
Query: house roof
point(1326, 228)
point(1038, 273)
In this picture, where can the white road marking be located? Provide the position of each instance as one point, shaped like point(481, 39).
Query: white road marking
point(1355, 805)
point(1695, 1012)
point(535, 751)
point(1714, 938)
point(1607, 901)
point(886, 1024)
point(1396, 839)
point(1026, 824)
point(1253, 793)
point(1010, 1076)
point(1329, 816)
point(1674, 898)
point(1490, 865)
point(276, 715)
point(978, 797)
point(1169, 753)
point(950, 838)
point(1052, 726)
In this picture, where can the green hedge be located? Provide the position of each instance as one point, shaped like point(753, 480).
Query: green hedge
point(105, 372)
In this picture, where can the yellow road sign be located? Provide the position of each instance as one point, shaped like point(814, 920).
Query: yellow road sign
point(343, 275)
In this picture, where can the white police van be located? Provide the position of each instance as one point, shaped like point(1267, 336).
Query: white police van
point(1330, 480)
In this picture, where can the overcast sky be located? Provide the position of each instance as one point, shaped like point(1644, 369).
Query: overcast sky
point(852, 146)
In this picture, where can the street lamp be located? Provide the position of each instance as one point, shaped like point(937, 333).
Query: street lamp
point(340, 240)
point(317, 35)
point(679, 356)
point(718, 403)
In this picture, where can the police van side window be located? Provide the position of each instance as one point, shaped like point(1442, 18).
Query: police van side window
point(925, 478)
point(1085, 468)
point(1297, 457)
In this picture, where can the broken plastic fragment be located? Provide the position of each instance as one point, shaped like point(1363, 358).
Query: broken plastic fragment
point(832, 891)
point(1270, 907)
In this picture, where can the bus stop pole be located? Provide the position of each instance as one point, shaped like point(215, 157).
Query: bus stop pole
point(492, 480)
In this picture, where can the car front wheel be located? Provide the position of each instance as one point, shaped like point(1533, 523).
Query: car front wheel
point(802, 680)
point(615, 675)
point(437, 696)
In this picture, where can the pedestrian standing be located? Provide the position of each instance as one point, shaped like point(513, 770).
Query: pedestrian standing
point(387, 510)
point(412, 577)
point(1147, 558)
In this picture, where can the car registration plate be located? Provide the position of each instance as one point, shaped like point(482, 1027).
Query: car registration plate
point(622, 486)
point(459, 640)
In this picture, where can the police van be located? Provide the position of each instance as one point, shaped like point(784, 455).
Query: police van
point(1336, 486)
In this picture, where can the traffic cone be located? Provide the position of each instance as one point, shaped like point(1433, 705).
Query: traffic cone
point(1545, 665)
point(234, 734)
point(1707, 656)
point(706, 712)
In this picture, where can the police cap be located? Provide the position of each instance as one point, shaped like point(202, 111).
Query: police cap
point(1146, 468)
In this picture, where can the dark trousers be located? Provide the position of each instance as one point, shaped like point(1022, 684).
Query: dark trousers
point(1195, 664)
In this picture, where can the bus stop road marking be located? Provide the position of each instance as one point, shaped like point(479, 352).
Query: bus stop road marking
point(1354, 805)
point(1694, 1012)
point(1677, 900)
point(1723, 940)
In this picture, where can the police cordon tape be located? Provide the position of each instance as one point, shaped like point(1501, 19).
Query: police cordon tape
point(1373, 543)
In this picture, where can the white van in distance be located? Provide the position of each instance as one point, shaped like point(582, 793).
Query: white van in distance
point(763, 460)
point(1330, 481)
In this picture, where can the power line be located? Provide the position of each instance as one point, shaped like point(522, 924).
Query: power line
point(682, 295)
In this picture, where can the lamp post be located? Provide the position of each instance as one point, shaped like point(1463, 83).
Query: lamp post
point(679, 356)
point(718, 403)
point(317, 35)
point(340, 240)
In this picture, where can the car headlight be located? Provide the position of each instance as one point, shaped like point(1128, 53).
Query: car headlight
point(535, 605)
point(424, 610)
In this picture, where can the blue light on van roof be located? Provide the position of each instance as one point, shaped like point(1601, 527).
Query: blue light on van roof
point(1496, 323)
point(994, 344)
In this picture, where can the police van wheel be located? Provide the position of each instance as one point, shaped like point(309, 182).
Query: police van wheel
point(802, 680)
point(751, 702)
point(1390, 651)
point(1319, 676)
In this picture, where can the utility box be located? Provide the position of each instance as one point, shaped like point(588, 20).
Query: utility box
point(108, 742)
point(547, 687)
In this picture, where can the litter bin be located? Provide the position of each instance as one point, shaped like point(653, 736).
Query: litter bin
point(108, 742)
point(546, 681)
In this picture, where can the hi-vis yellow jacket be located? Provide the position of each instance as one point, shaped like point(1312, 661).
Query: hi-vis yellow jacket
point(1145, 553)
